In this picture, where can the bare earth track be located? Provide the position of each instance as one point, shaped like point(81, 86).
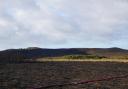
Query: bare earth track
point(37, 75)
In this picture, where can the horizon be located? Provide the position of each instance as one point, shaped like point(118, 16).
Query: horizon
point(63, 24)
point(63, 48)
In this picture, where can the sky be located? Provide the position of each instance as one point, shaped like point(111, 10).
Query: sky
point(63, 23)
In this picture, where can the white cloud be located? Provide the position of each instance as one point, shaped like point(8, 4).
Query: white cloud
point(63, 23)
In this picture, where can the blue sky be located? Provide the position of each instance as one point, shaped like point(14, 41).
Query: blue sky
point(63, 23)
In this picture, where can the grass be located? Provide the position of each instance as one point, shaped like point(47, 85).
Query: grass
point(92, 60)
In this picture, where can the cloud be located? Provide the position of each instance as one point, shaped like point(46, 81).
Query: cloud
point(63, 23)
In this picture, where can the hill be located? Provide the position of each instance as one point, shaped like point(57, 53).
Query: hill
point(32, 53)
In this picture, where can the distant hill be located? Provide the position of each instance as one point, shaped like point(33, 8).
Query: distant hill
point(32, 53)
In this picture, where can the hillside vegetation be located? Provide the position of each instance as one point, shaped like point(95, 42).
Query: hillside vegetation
point(34, 53)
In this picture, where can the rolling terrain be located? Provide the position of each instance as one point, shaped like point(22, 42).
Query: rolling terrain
point(33, 53)
point(24, 68)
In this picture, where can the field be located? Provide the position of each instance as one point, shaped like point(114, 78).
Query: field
point(36, 75)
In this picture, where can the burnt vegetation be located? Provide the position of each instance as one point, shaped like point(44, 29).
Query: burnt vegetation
point(41, 75)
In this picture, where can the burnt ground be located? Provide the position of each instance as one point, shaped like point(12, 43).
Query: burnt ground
point(36, 75)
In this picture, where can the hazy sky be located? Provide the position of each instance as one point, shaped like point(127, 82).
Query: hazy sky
point(63, 23)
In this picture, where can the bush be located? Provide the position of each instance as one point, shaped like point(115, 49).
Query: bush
point(82, 57)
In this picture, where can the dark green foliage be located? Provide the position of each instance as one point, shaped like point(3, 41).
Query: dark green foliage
point(83, 57)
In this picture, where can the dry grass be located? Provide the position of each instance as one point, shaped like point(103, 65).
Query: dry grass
point(86, 60)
